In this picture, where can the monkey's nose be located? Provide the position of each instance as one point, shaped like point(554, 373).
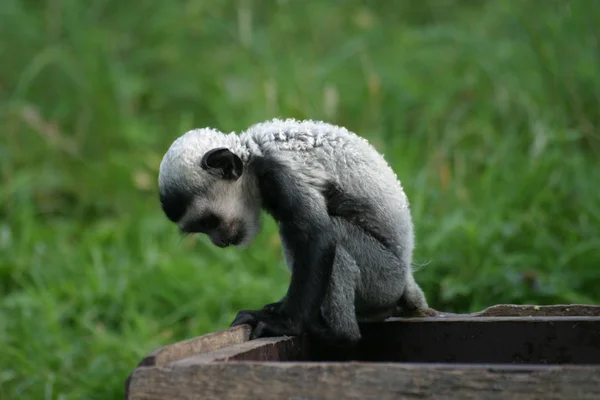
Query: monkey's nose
point(234, 227)
point(236, 232)
point(230, 233)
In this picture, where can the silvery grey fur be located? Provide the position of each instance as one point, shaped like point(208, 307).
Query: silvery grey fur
point(332, 170)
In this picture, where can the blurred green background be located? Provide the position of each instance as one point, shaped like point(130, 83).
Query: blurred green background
point(488, 110)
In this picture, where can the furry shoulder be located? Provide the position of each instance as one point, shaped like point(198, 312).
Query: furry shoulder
point(295, 135)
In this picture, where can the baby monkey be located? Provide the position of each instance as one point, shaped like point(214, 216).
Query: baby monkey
point(343, 218)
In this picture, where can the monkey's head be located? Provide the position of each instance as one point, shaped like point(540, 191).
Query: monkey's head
point(205, 188)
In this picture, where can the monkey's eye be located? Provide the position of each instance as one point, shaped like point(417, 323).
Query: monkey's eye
point(205, 223)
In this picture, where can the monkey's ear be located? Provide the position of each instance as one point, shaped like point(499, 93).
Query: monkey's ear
point(222, 163)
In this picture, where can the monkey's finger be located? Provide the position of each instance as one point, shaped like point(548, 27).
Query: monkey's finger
point(274, 328)
point(244, 317)
point(261, 330)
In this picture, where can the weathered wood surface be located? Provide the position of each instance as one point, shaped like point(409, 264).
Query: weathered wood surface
point(514, 310)
point(188, 348)
point(264, 349)
point(333, 381)
point(226, 365)
point(202, 344)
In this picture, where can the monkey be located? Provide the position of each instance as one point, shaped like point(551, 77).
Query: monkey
point(343, 218)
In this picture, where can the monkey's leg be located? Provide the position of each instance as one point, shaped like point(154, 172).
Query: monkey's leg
point(413, 297)
point(339, 325)
point(274, 307)
point(366, 280)
point(386, 286)
point(338, 306)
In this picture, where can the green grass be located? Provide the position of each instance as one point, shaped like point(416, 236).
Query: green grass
point(488, 111)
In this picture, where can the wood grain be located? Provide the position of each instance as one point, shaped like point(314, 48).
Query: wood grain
point(264, 349)
point(191, 347)
point(198, 345)
point(514, 310)
point(329, 381)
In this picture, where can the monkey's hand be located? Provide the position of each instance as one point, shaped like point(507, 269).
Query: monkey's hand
point(252, 317)
point(270, 321)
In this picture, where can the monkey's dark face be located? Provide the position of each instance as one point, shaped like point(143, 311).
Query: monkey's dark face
point(222, 210)
point(221, 232)
point(226, 223)
point(211, 195)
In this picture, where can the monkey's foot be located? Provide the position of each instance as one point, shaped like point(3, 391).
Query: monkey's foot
point(267, 323)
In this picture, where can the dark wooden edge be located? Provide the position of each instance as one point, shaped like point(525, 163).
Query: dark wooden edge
point(382, 381)
point(233, 336)
point(300, 348)
point(490, 319)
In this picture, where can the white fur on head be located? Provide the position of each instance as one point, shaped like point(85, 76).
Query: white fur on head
point(231, 200)
point(182, 159)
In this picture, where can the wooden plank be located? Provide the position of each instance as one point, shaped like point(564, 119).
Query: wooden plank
point(498, 334)
point(517, 310)
point(191, 347)
point(329, 381)
point(202, 344)
point(264, 349)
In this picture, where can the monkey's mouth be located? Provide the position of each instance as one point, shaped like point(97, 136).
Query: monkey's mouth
point(220, 243)
point(233, 240)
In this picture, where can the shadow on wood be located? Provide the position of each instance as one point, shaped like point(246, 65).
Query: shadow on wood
point(505, 351)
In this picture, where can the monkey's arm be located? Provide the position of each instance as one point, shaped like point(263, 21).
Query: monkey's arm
point(309, 237)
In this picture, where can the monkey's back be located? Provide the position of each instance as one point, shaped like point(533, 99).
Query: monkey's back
point(321, 154)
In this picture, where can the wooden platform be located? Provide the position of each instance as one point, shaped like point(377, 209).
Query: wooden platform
point(505, 351)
